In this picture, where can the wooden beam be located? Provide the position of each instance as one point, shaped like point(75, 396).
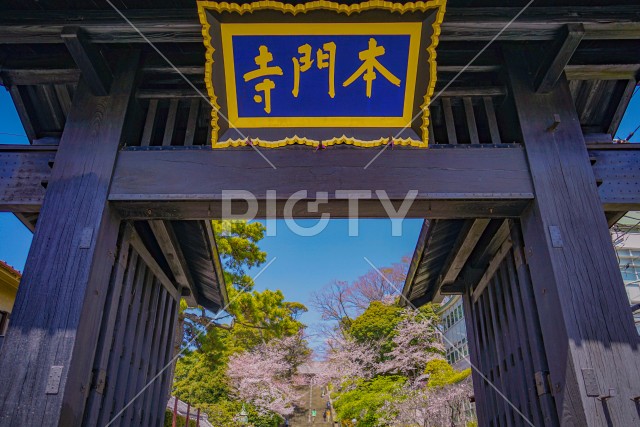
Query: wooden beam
point(485, 249)
point(53, 106)
point(472, 126)
point(152, 263)
point(28, 220)
point(491, 270)
point(170, 123)
point(557, 59)
point(89, 60)
point(446, 176)
point(614, 217)
point(452, 138)
point(25, 170)
point(627, 92)
point(423, 241)
point(163, 231)
point(217, 265)
point(462, 24)
point(460, 253)
point(602, 72)
point(492, 122)
point(48, 352)
point(149, 123)
point(573, 263)
point(24, 110)
point(192, 121)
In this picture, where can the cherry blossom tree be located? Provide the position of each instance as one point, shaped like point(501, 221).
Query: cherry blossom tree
point(266, 376)
point(416, 342)
point(426, 406)
point(431, 392)
point(349, 361)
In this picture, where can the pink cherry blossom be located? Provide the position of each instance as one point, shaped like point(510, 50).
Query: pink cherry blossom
point(266, 376)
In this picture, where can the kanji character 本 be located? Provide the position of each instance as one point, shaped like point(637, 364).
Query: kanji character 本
point(369, 67)
point(264, 70)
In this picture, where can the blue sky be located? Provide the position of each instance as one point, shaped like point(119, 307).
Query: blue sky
point(303, 264)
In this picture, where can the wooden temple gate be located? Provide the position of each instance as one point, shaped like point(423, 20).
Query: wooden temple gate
point(519, 184)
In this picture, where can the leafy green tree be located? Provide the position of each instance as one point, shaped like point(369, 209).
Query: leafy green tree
point(442, 374)
point(257, 318)
point(376, 324)
point(237, 243)
point(364, 401)
point(394, 369)
point(253, 318)
point(200, 378)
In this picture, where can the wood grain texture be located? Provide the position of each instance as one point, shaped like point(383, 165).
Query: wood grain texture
point(149, 123)
point(111, 318)
point(462, 249)
point(89, 60)
point(559, 55)
point(59, 307)
point(628, 91)
point(24, 169)
point(168, 241)
point(24, 110)
point(157, 179)
point(462, 24)
point(578, 288)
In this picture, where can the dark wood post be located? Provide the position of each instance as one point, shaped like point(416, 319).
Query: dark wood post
point(186, 422)
point(46, 360)
point(591, 344)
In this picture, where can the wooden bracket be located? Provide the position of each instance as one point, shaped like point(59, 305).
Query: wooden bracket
point(88, 59)
point(560, 54)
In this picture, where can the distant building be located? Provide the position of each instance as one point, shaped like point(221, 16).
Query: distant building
point(626, 239)
point(9, 280)
point(455, 332)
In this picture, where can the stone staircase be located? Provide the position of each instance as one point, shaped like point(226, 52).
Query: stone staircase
point(319, 403)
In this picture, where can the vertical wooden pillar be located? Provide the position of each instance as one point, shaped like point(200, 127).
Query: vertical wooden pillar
point(592, 347)
point(46, 360)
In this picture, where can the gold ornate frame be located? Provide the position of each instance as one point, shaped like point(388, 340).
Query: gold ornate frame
point(401, 8)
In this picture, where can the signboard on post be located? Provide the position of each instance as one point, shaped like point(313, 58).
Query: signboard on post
point(320, 73)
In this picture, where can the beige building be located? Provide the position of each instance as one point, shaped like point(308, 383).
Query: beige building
point(9, 280)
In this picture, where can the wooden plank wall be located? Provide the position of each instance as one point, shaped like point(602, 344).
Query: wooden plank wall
point(505, 344)
point(135, 344)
